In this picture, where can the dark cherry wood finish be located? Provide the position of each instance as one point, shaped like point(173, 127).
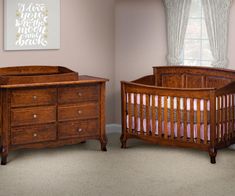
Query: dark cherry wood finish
point(49, 106)
point(184, 84)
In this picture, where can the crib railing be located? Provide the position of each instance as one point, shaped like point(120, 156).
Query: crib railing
point(190, 116)
point(225, 126)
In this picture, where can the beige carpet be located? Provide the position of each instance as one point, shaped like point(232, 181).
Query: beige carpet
point(141, 170)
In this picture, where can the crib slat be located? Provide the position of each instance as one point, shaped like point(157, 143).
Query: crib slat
point(147, 115)
point(160, 116)
point(185, 119)
point(205, 122)
point(212, 120)
point(198, 121)
point(178, 118)
point(172, 117)
point(153, 116)
point(191, 120)
point(218, 118)
point(165, 118)
point(230, 115)
point(233, 115)
point(225, 119)
point(222, 118)
point(129, 113)
point(141, 115)
point(229, 124)
point(135, 114)
point(124, 111)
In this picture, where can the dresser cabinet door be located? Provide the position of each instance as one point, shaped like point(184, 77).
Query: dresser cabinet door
point(33, 134)
point(77, 94)
point(33, 97)
point(34, 115)
point(84, 128)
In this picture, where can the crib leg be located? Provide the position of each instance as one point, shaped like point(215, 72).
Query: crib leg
point(103, 143)
point(123, 144)
point(213, 153)
point(123, 141)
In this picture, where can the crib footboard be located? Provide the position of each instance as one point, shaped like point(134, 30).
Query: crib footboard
point(170, 116)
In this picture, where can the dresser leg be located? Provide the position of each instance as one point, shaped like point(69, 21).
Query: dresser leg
point(4, 155)
point(103, 142)
point(4, 160)
point(83, 142)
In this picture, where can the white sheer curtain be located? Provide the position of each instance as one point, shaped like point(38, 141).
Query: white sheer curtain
point(177, 12)
point(216, 17)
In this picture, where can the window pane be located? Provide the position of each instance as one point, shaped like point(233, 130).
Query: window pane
point(206, 50)
point(206, 63)
point(192, 62)
point(192, 49)
point(196, 9)
point(204, 30)
point(196, 44)
point(193, 29)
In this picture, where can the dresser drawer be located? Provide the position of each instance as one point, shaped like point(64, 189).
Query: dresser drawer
point(33, 97)
point(78, 129)
point(30, 134)
point(81, 111)
point(34, 115)
point(78, 94)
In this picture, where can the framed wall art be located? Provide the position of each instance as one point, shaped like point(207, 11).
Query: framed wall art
point(31, 24)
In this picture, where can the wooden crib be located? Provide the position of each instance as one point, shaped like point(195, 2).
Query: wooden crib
point(181, 106)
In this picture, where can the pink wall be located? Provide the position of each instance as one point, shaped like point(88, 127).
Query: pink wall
point(140, 41)
point(87, 43)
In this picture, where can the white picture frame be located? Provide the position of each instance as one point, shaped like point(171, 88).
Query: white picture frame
point(31, 24)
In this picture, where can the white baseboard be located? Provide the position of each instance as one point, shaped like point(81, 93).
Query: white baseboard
point(113, 128)
point(232, 147)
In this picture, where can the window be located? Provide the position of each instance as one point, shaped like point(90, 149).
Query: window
point(196, 44)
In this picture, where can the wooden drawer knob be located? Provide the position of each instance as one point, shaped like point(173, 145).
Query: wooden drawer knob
point(79, 111)
point(35, 116)
point(79, 94)
point(34, 97)
point(80, 130)
point(35, 135)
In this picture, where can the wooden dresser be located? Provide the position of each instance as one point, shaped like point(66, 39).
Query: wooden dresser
point(49, 106)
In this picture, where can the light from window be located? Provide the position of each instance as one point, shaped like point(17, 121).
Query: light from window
point(196, 44)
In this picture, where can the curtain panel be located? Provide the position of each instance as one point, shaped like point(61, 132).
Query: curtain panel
point(177, 12)
point(217, 20)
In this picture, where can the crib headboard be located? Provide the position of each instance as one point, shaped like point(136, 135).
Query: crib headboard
point(192, 77)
